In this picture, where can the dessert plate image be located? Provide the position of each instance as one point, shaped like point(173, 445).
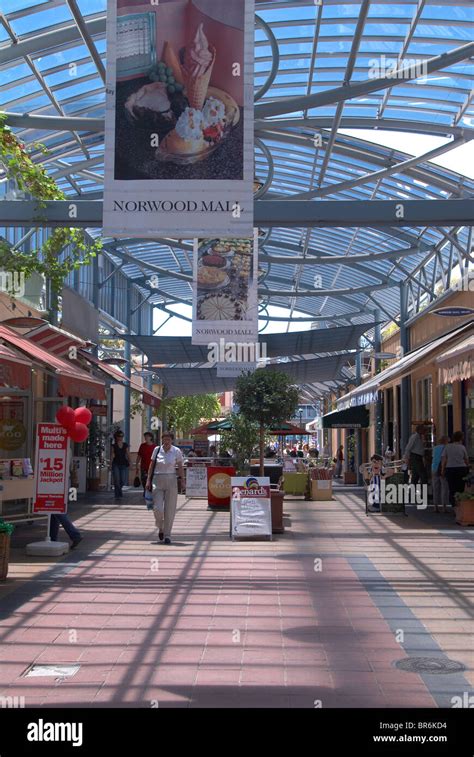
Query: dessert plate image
point(219, 307)
point(187, 151)
point(212, 278)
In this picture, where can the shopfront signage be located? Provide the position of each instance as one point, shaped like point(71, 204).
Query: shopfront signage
point(179, 148)
point(219, 486)
point(196, 481)
point(365, 398)
point(454, 312)
point(251, 512)
point(51, 469)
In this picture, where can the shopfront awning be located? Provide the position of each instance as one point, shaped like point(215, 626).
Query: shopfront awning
point(53, 339)
point(352, 417)
point(457, 363)
point(367, 393)
point(73, 381)
point(15, 371)
point(119, 377)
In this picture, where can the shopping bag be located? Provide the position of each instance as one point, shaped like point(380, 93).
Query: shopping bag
point(137, 482)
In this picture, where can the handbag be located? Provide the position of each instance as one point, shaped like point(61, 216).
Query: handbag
point(136, 482)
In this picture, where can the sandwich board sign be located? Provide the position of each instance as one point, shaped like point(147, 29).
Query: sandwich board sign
point(251, 512)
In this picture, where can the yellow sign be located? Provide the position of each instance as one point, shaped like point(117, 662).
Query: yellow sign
point(12, 434)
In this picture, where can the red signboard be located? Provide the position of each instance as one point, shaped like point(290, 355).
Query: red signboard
point(219, 488)
point(51, 469)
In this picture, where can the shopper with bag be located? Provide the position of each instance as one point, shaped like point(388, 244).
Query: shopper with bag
point(145, 452)
point(119, 464)
point(162, 474)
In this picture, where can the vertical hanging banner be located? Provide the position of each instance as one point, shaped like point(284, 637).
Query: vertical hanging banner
point(225, 298)
point(179, 142)
point(51, 469)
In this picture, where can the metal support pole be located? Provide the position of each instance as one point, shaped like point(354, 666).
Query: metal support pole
point(378, 405)
point(358, 378)
point(405, 388)
point(149, 378)
point(128, 365)
point(96, 294)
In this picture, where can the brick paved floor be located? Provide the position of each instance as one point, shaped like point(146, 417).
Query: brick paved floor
point(316, 617)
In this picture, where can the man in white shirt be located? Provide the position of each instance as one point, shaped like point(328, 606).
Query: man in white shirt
point(162, 472)
point(414, 456)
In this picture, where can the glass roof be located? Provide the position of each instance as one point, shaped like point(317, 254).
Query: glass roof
point(49, 68)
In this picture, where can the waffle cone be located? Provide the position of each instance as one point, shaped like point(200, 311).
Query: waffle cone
point(197, 86)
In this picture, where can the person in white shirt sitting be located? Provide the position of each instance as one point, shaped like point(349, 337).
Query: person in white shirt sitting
point(162, 473)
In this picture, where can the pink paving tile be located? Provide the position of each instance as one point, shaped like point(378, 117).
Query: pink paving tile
point(267, 675)
point(217, 676)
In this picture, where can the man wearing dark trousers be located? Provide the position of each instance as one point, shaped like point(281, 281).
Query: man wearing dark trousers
point(414, 456)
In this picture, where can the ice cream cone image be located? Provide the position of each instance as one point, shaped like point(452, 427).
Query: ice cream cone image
point(199, 62)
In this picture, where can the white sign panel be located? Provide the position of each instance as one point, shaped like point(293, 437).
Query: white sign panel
point(179, 137)
point(225, 302)
point(196, 481)
point(251, 510)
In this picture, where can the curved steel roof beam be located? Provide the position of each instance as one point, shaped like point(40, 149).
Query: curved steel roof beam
point(350, 91)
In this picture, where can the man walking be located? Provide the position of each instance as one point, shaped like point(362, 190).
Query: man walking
point(162, 472)
point(414, 456)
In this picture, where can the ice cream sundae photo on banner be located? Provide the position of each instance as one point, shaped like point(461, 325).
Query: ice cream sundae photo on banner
point(179, 116)
point(225, 304)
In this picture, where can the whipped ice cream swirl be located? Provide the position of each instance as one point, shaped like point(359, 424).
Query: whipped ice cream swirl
point(200, 56)
point(213, 112)
point(190, 124)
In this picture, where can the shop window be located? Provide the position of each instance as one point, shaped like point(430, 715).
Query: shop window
point(446, 392)
point(469, 417)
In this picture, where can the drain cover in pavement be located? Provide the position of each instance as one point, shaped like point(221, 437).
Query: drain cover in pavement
point(431, 665)
point(52, 671)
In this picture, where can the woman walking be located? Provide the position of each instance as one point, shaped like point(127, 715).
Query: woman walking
point(439, 482)
point(145, 452)
point(455, 465)
point(339, 462)
point(119, 464)
point(162, 472)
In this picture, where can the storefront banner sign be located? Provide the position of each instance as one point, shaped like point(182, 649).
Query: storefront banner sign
point(179, 137)
point(225, 301)
point(196, 481)
point(51, 469)
point(218, 486)
point(454, 312)
point(366, 398)
point(251, 510)
point(233, 370)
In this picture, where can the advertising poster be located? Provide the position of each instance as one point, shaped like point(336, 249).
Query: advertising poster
point(51, 469)
point(179, 144)
point(196, 481)
point(12, 427)
point(225, 301)
point(219, 486)
point(251, 511)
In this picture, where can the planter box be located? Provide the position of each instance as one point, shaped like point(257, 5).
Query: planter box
point(465, 512)
point(295, 483)
point(321, 489)
point(4, 555)
point(277, 510)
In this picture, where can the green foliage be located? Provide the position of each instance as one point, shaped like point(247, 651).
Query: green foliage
point(267, 397)
point(184, 413)
point(136, 404)
point(33, 179)
point(6, 528)
point(242, 439)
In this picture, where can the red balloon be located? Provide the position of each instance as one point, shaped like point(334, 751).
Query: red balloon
point(79, 432)
point(83, 415)
point(65, 416)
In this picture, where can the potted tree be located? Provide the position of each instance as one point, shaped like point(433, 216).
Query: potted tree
point(94, 450)
point(6, 530)
point(242, 438)
point(267, 398)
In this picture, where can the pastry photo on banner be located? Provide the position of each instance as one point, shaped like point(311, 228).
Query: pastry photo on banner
point(225, 299)
point(179, 95)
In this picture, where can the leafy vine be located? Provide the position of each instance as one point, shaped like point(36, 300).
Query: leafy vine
point(33, 179)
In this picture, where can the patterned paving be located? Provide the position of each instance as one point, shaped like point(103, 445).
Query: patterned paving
point(315, 618)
